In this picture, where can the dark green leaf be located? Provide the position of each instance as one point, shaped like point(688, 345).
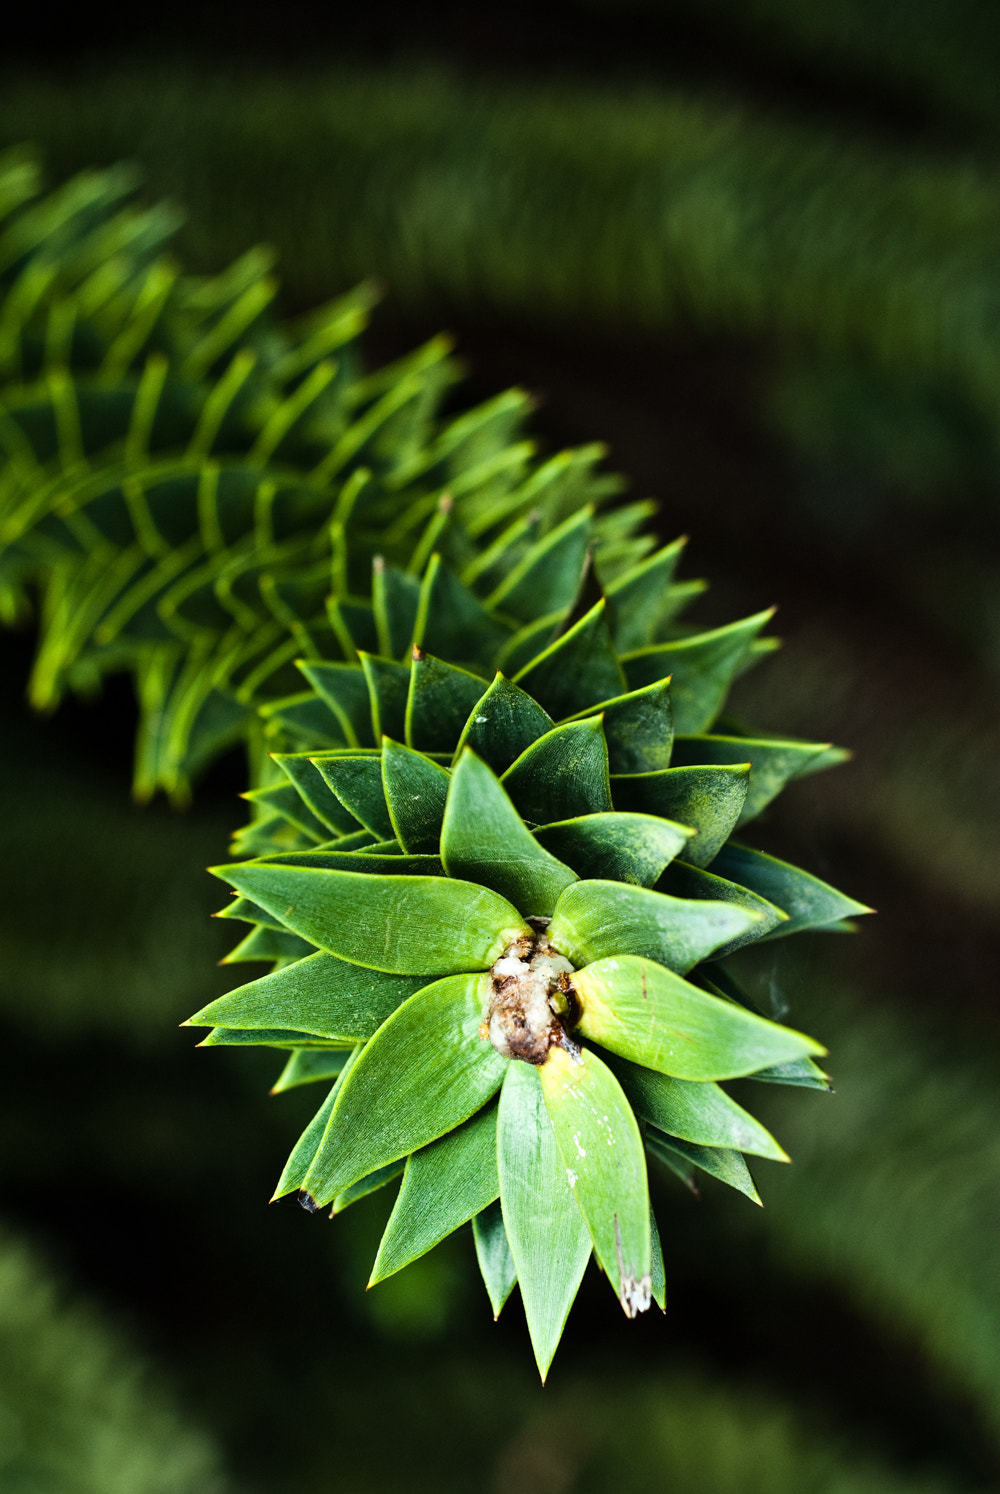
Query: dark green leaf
point(320, 994)
point(579, 670)
point(703, 667)
point(528, 642)
point(311, 787)
point(636, 599)
point(286, 800)
point(247, 912)
point(682, 1157)
point(698, 1112)
point(445, 1184)
point(597, 919)
point(601, 1150)
point(808, 902)
point(452, 624)
point(639, 730)
point(710, 800)
point(496, 1263)
point(357, 783)
point(643, 1012)
point(552, 570)
point(562, 775)
point(681, 880)
point(424, 1072)
point(402, 925)
point(415, 791)
point(503, 723)
point(548, 1239)
point(345, 690)
point(439, 703)
point(309, 1065)
point(395, 599)
point(617, 847)
point(772, 763)
point(388, 686)
point(485, 840)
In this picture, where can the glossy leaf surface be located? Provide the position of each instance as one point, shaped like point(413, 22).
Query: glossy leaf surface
point(702, 666)
point(684, 1158)
point(682, 880)
point(702, 1113)
point(563, 774)
point(309, 1066)
point(424, 1072)
point(415, 791)
point(320, 994)
point(402, 925)
point(444, 1186)
point(503, 722)
point(548, 1238)
point(496, 1264)
point(357, 783)
point(578, 670)
point(772, 763)
point(710, 800)
point(601, 1149)
point(808, 902)
point(595, 919)
point(617, 847)
point(438, 704)
point(485, 840)
point(648, 1014)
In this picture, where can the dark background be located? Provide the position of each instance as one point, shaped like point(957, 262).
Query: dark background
point(815, 403)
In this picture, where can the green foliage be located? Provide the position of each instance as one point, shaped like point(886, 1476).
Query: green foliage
point(79, 1410)
point(298, 522)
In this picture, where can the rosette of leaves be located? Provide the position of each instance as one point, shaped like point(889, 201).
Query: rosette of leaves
point(496, 914)
point(186, 482)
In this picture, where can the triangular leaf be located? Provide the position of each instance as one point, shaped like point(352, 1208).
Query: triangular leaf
point(357, 783)
point(808, 902)
point(439, 702)
point(402, 925)
point(710, 800)
point(598, 918)
point(617, 847)
point(305, 1149)
point(681, 880)
point(703, 668)
point(388, 688)
point(578, 670)
point(415, 792)
point(319, 994)
point(548, 1239)
point(772, 763)
point(485, 840)
point(698, 1112)
point(601, 1149)
point(424, 1072)
point(452, 624)
point(496, 1264)
point(444, 1185)
point(639, 729)
point(502, 724)
point(311, 787)
point(395, 600)
point(636, 599)
point(551, 572)
point(643, 1012)
point(562, 774)
point(344, 688)
point(682, 1157)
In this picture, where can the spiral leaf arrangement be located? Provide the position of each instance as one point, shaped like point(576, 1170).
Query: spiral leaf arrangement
point(491, 854)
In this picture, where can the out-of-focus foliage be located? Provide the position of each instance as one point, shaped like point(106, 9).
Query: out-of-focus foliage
point(79, 1410)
